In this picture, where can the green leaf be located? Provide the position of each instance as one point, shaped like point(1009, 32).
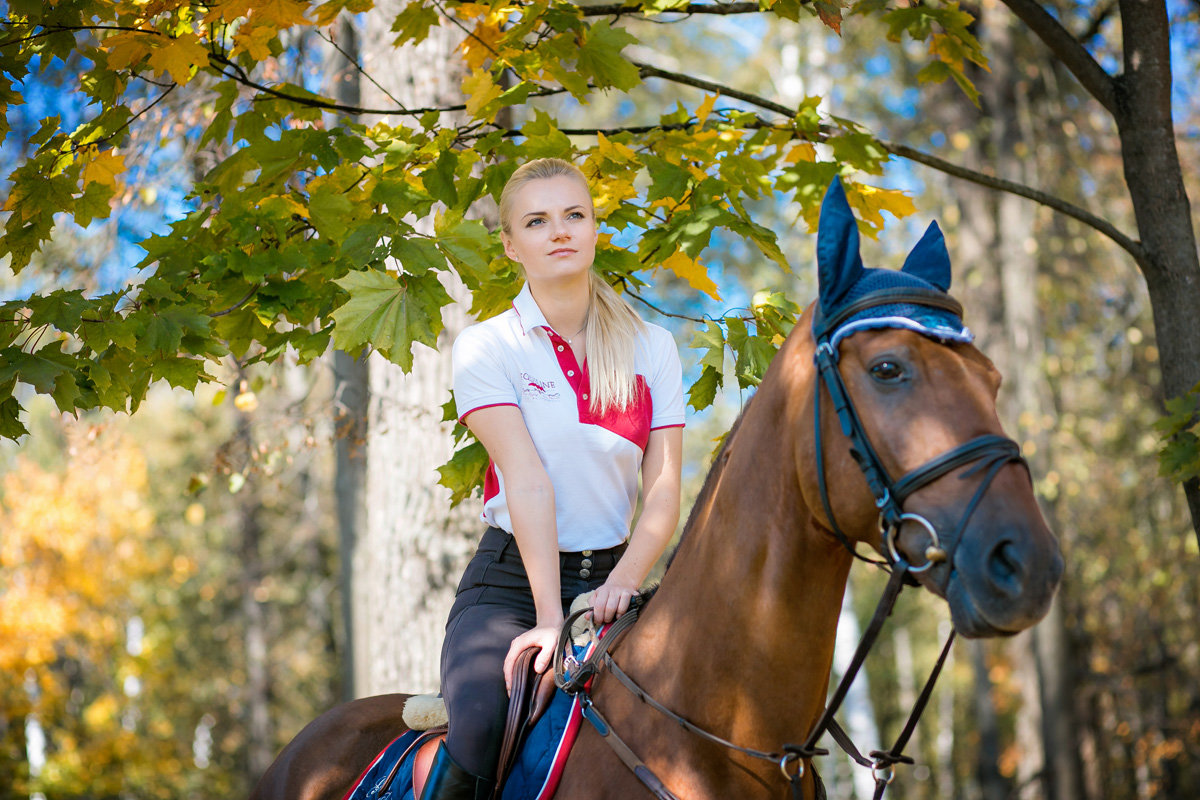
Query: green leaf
point(600, 56)
point(11, 426)
point(464, 472)
point(667, 179)
point(704, 390)
point(417, 255)
point(331, 211)
point(389, 313)
point(754, 353)
point(467, 243)
point(544, 139)
point(413, 23)
point(62, 309)
point(440, 180)
point(712, 341)
point(184, 373)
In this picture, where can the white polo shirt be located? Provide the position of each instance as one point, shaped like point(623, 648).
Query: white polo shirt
point(593, 461)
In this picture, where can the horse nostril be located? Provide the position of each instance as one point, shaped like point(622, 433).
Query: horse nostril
point(1004, 567)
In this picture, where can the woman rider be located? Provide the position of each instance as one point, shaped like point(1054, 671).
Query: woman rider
point(573, 395)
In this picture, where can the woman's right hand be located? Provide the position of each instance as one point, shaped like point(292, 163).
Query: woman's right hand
point(544, 637)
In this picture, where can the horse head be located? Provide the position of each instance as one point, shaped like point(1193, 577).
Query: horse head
point(907, 432)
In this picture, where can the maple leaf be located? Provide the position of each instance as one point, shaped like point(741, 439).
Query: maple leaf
point(280, 13)
point(230, 10)
point(179, 57)
point(706, 108)
point(327, 12)
point(693, 272)
point(482, 44)
point(871, 202)
point(255, 40)
point(480, 89)
point(104, 168)
point(127, 48)
point(389, 314)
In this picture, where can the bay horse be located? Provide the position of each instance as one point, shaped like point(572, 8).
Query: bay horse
point(878, 378)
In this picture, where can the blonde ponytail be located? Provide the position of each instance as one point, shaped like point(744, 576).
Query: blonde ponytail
point(612, 330)
point(612, 325)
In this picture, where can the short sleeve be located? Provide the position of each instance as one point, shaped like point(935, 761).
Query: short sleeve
point(480, 379)
point(665, 377)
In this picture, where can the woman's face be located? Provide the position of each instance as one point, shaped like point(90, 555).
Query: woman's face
point(552, 230)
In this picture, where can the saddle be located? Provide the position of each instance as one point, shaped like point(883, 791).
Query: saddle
point(530, 696)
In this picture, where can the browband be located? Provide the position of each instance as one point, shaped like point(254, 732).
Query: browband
point(822, 327)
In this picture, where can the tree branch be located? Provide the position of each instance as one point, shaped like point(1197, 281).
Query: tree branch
point(240, 76)
point(651, 71)
point(720, 9)
point(1133, 247)
point(1098, 83)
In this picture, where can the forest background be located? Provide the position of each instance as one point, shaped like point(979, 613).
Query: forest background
point(212, 208)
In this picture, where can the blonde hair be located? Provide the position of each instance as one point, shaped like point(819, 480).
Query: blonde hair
point(612, 326)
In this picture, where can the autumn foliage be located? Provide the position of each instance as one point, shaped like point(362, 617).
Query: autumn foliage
point(78, 567)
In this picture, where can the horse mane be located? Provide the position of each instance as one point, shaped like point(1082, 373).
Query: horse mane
point(711, 480)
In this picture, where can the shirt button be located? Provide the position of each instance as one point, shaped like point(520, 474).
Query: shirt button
point(585, 397)
point(560, 348)
point(570, 373)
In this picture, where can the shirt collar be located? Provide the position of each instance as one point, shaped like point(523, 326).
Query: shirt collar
point(528, 312)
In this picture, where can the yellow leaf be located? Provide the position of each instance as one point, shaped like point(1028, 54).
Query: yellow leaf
point(255, 40)
point(614, 151)
point(483, 43)
point(281, 204)
point(706, 108)
point(229, 11)
point(328, 12)
point(127, 48)
point(804, 151)
point(104, 168)
point(471, 10)
point(693, 272)
point(280, 13)
point(480, 89)
point(872, 202)
point(609, 192)
point(179, 57)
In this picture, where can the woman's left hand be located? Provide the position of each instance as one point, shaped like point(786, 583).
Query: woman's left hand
point(611, 601)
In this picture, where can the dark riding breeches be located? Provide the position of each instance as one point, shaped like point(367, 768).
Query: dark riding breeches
point(493, 606)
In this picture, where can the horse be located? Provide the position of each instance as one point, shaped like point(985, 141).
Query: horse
point(738, 639)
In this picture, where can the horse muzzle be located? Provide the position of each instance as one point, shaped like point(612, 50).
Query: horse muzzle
point(999, 577)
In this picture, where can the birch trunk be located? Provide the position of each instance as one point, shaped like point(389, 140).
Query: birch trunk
point(407, 561)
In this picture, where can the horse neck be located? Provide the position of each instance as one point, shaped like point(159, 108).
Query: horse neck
point(752, 597)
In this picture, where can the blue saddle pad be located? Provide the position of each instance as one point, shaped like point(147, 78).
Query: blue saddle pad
point(534, 776)
point(370, 785)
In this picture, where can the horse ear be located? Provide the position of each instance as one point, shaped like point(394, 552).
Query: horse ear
point(930, 260)
point(839, 263)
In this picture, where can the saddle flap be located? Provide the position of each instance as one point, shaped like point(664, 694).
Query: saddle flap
point(530, 696)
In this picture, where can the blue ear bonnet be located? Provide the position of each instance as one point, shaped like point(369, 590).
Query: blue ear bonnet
point(853, 298)
point(937, 323)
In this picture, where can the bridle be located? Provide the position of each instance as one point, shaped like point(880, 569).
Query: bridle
point(989, 453)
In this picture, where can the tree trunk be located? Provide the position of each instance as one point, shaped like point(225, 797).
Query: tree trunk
point(992, 785)
point(257, 706)
point(1153, 173)
point(406, 565)
point(350, 393)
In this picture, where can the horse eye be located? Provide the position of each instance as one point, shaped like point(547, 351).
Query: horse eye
point(888, 371)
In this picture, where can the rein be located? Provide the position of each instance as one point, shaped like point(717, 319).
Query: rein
point(988, 454)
